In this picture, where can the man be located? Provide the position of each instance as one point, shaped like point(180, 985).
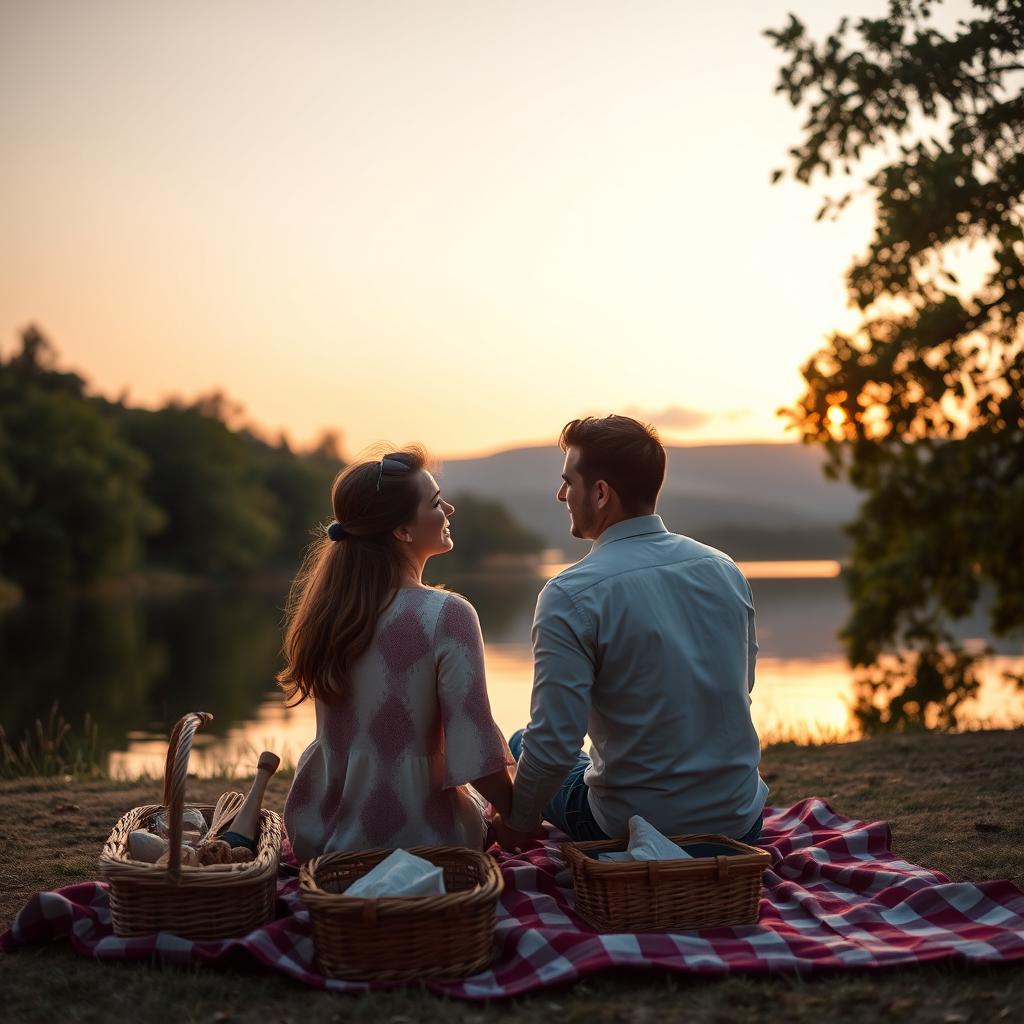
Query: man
point(647, 644)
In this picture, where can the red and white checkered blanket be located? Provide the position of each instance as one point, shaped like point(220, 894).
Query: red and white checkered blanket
point(835, 897)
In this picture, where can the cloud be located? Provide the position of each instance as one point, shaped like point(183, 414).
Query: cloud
point(673, 417)
point(679, 418)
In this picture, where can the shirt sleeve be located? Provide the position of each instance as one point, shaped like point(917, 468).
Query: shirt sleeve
point(751, 641)
point(563, 678)
point(473, 744)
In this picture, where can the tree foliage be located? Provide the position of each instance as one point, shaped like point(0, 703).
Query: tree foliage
point(91, 488)
point(72, 507)
point(483, 528)
point(219, 518)
point(298, 489)
point(922, 408)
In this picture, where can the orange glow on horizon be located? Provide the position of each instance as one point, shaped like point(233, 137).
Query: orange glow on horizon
point(793, 699)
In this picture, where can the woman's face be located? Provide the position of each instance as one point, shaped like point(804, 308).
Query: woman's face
point(429, 533)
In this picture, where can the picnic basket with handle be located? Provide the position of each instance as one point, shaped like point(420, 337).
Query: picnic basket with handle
point(393, 938)
point(212, 902)
point(707, 891)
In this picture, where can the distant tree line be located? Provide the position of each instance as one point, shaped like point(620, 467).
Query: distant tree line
point(92, 488)
point(483, 528)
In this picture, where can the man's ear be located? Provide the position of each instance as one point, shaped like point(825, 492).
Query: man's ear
point(604, 493)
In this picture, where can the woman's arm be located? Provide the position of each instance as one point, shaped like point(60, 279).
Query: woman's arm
point(474, 749)
point(496, 788)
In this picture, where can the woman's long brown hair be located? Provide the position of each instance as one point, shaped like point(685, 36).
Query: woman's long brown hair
point(343, 586)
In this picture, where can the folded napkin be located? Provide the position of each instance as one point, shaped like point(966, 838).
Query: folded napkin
point(400, 874)
point(646, 843)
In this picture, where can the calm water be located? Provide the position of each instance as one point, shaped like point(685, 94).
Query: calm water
point(137, 664)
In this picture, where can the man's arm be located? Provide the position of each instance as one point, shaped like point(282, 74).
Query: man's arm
point(563, 677)
point(751, 640)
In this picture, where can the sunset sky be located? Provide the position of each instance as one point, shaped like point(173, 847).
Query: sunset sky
point(460, 223)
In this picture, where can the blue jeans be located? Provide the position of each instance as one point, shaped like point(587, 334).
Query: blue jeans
point(569, 809)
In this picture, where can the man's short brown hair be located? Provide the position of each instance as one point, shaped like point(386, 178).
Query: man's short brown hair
point(625, 453)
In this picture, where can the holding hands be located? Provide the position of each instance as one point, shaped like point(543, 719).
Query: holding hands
point(497, 791)
point(509, 839)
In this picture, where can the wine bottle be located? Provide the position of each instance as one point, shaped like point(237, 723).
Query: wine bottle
point(247, 821)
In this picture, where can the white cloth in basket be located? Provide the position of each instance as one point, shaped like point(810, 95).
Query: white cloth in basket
point(646, 843)
point(400, 874)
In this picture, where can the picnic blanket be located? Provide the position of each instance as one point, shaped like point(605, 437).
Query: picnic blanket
point(835, 897)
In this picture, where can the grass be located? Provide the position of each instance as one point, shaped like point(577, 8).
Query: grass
point(934, 790)
point(52, 749)
point(56, 749)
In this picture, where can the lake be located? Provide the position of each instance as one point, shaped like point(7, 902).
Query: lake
point(136, 664)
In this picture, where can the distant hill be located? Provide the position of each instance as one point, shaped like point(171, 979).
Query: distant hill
point(752, 500)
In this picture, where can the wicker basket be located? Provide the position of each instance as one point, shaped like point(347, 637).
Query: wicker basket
point(397, 938)
point(213, 902)
point(667, 896)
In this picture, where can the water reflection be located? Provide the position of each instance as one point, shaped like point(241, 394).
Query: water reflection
point(136, 665)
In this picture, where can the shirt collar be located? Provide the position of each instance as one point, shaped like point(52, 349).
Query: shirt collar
point(635, 527)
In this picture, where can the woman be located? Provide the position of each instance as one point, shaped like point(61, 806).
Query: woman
point(396, 671)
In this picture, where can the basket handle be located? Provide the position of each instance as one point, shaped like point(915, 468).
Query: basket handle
point(175, 771)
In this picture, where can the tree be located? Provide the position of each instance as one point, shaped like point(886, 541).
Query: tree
point(72, 507)
point(89, 487)
point(922, 407)
point(299, 488)
point(219, 517)
point(483, 528)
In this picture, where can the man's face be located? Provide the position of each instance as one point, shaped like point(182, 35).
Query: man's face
point(577, 497)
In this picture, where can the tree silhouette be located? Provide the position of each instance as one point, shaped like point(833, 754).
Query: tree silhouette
point(922, 408)
point(220, 519)
point(90, 488)
point(72, 507)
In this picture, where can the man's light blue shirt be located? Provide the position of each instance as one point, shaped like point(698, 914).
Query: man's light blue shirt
point(648, 645)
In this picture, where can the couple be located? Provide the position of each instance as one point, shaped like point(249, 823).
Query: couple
point(647, 644)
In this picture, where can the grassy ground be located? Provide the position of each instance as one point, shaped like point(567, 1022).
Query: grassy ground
point(934, 790)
